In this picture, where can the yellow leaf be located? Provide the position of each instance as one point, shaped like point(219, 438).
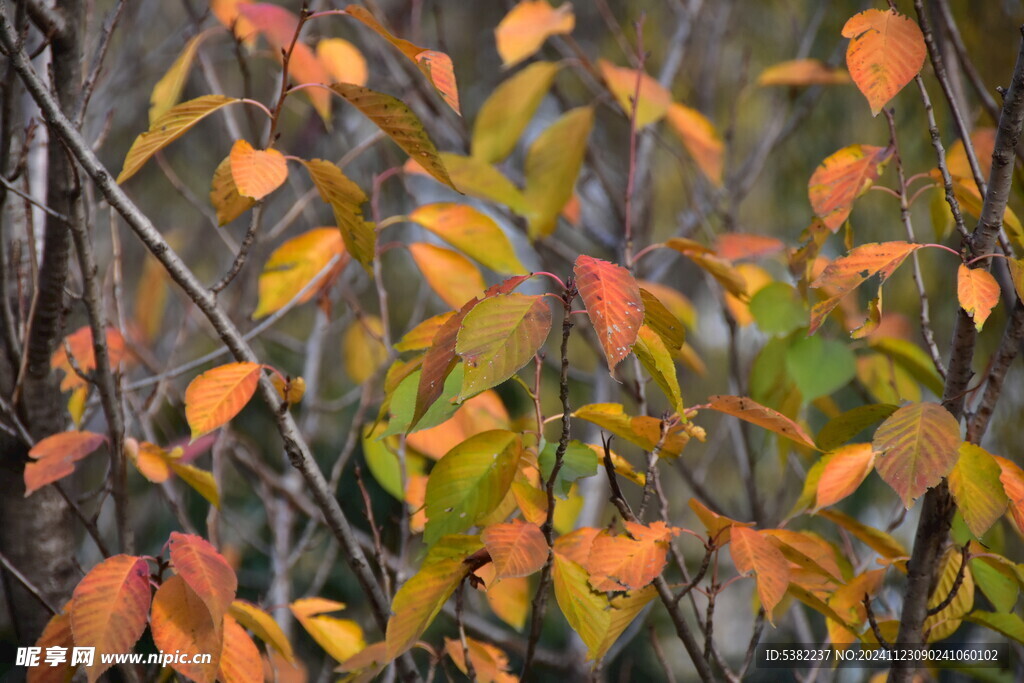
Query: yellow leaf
point(152, 461)
point(340, 638)
point(218, 395)
point(257, 172)
point(654, 99)
point(471, 232)
point(586, 610)
point(977, 489)
point(362, 349)
point(886, 51)
point(525, 28)
point(263, 625)
point(200, 480)
point(293, 265)
point(552, 164)
point(343, 61)
point(701, 139)
point(168, 89)
point(448, 273)
point(801, 73)
point(504, 115)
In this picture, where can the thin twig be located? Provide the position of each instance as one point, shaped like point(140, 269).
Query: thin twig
point(243, 250)
point(89, 85)
point(874, 623)
point(27, 584)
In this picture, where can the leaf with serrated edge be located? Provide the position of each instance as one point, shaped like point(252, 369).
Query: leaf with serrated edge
point(719, 527)
point(978, 293)
point(552, 164)
point(168, 128)
point(205, 571)
point(754, 552)
point(217, 395)
point(293, 265)
point(224, 195)
point(345, 199)
point(504, 114)
point(239, 659)
point(419, 337)
point(843, 177)
point(181, 622)
point(976, 488)
point(642, 430)
point(57, 634)
point(399, 123)
point(498, 337)
point(614, 305)
point(886, 51)
point(660, 319)
point(470, 481)
point(918, 445)
point(340, 638)
point(420, 598)
point(844, 472)
point(848, 272)
point(946, 621)
point(586, 610)
point(109, 607)
point(751, 411)
point(471, 232)
point(451, 275)
point(845, 426)
point(517, 548)
point(1010, 625)
point(524, 29)
point(257, 172)
point(262, 625)
point(490, 663)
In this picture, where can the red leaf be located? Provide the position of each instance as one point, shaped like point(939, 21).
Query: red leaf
point(613, 303)
point(755, 413)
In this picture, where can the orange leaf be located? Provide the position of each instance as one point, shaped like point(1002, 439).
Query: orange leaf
point(618, 562)
point(152, 461)
point(886, 51)
point(984, 142)
point(55, 456)
point(516, 548)
point(525, 28)
point(879, 541)
point(576, 545)
point(802, 72)
point(715, 524)
point(217, 395)
point(451, 275)
point(342, 60)
point(755, 413)
point(918, 445)
point(80, 343)
point(734, 246)
point(841, 178)
point(479, 414)
point(701, 139)
point(224, 195)
point(1012, 478)
point(978, 293)
point(181, 622)
point(57, 634)
point(848, 272)
point(490, 664)
point(257, 172)
point(227, 13)
point(239, 658)
point(613, 303)
point(654, 99)
point(844, 471)
point(755, 552)
point(205, 571)
point(109, 606)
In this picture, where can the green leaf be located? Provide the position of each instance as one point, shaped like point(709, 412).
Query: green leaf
point(976, 488)
point(383, 463)
point(586, 610)
point(919, 445)
point(656, 359)
point(1010, 625)
point(399, 123)
point(470, 481)
point(997, 581)
point(172, 125)
point(579, 462)
point(845, 426)
point(498, 337)
point(778, 309)
point(346, 199)
point(504, 115)
point(820, 366)
point(472, 232)
point(552, 164)
point(403, 403)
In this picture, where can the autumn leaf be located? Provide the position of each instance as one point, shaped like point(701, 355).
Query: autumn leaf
point(552, 164)
point(476, 178)
point(614, 305)
point(84, 355)
point(345, 199)
point(719, 527)
point(586, 610)
point(450, 274)
point(843, 177)
point(654, 355)
point(516, 548)
point(886, 51)
point(56, 634)
point(217, 395)
point(224, 195)
point(498, 337)
point(262, 625)
point(340, 638)
point(257, 172)
point(176, 122)
point(490, 664)
point(848, 272)
point(802, 73)
point(700, 138)
point(731, 279)
point(1016, 268)
point(978, 293)
point(206, 572)
point(751, 411)
point(228, 15)
point(946, 621)
point(735, 246)
point(654, 99)
point(109, 608)
point(846, 468)
point(642, 430)
point(54, 457)
point(1012, 478)
point(976, 487)
point(168, 89)
point(918, 445)
point(483, 412)
point(239, 659)
point(618, 562)
point(753, 552)
point(181, 622)
point(362, 348)
point(342, 60)
point(506, 112)
point(438, 362)
point(470, 481)
point(200, 480)
point(527, 25)
point(399, 123)
point(472, 232)
point(879, 541)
